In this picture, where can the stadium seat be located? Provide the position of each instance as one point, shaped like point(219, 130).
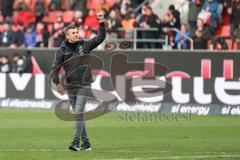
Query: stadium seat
point(229, 43)
point(1, 28)
point(1, 18)
point(47, 2)
point(15, 15)
point(225, 18)
point(223, 31)
point(50, 28)
point(68, 16)
point(25, 17)
point(91, 4)
point(51, 17)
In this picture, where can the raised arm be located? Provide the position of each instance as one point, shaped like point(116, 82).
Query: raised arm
point(94, 42)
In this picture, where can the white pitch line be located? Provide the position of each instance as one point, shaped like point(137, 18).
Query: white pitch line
point(32, 150)
point(107, 150)
point(62, 150)
point(177, 157)
point(224, 155)
point(196, 157)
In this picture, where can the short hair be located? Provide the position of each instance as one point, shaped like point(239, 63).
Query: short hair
point(69, 27)
point(171, 7)
point(17, 55)
point(5, 56)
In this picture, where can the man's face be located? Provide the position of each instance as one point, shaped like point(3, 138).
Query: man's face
point(72, 35)
point(6, 27)
point(199, 23)
point(184, 28)
point(4, 60)
point(15, 59)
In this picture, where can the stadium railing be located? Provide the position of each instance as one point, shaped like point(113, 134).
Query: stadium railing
point(135, 40)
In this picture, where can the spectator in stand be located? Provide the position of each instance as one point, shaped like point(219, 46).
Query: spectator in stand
point(147, 21)
point(58, 28)
point(39, 32)
point(78, 21)
point(66, 5)
point(136, 3)
point(199, 42)
point(206, 34)
point(78, 18)
point(6, 65)
point(194, 9)
point(113, 23)
point(19, 63)
point(91, 23)
point(55, 5)
point(210, 9)
point(80, 6)
point(201, 35)
point(220, 44)
point(42, 35)
point(6, 37)
point(176, 15)
point(125, 5)
point(7, 10)
point(40, 9)
point(18, 36)
point(117, 5)
point(30, 37)
point(181, 41)
point(234, 12)
point(221, 5)
point(25, 15)
point(21, 5)
point(237, 36)
point(129, 23)
point(102, 5)
point(168, 21)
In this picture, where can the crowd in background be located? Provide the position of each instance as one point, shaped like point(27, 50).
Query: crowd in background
point(25, 23)
point(18, 63)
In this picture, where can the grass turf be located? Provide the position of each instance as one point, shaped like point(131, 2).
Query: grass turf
point(39, 135)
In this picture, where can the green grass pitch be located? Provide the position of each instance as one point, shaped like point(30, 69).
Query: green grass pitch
point(39, 135)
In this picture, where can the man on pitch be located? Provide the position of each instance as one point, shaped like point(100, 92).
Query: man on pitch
point(73, 46)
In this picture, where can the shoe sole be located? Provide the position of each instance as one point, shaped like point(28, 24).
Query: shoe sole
point(89, 149)
point(74, 149)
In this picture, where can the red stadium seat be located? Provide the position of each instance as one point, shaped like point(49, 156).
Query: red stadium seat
point(1, 28)
point(91, 4)
point(1, 18)
point(51, 17)
point(50, 28)
point(225, 18)
point(68, 16)
point(223, 31)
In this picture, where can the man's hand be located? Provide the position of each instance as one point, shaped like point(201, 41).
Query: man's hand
point(60, 89)
point(100, 16)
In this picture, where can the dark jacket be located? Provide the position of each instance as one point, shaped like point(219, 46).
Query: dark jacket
point(7, 7)
point(6, 68)
point(81, 75)
point(234, 17)
point(6, 38)
point(20, 66)
point(152, 22)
